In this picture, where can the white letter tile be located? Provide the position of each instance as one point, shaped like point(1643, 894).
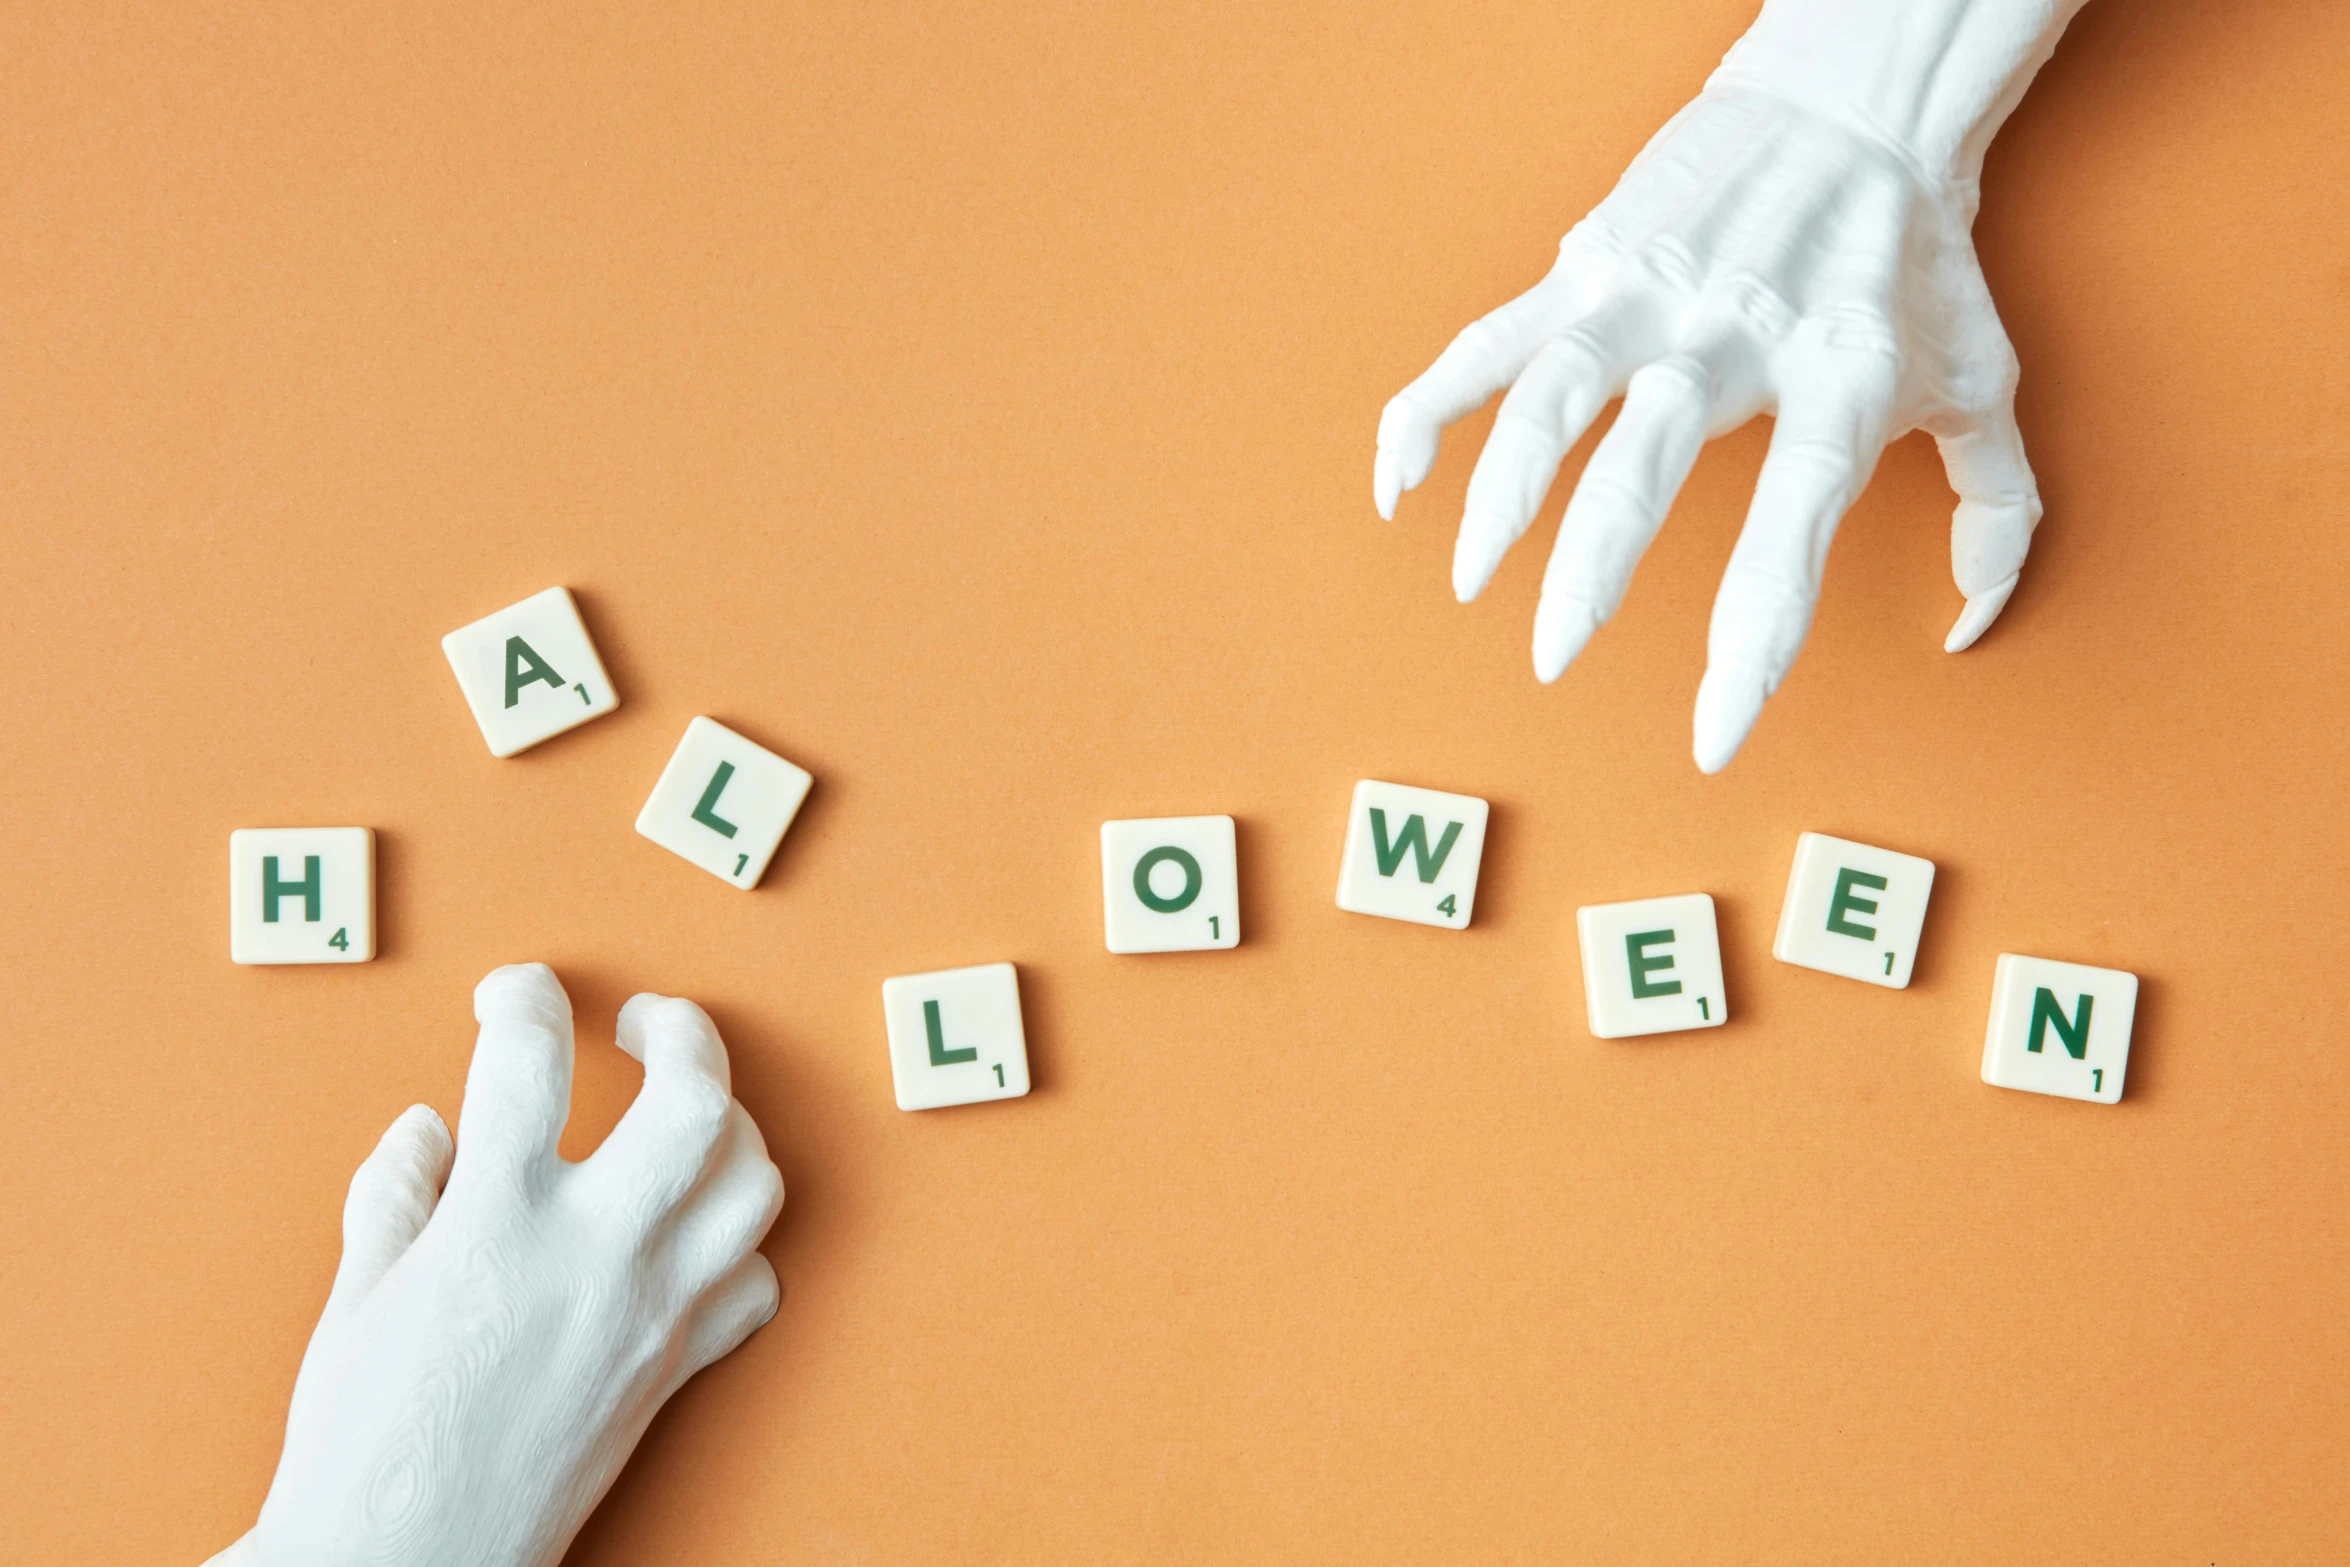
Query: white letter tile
point(1653, 966)
point(1854, 910)
point(2059, 1028)
point(723, 803)
point(1412, 854)
point(955, 1036)
point(1170, 884)
point(529, 672)
point(301, 895)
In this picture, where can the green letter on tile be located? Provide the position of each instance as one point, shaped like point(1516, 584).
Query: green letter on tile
point(706, 808)
point(1166, 854)
point(940, 1055)
point(2074, 1031)
point(1643, 965)
point(1844, 901)
point(1414, 838)
point(308, 887)
point(524, 667)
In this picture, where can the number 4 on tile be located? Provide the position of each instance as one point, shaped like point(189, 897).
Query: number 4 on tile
point(1412, 854)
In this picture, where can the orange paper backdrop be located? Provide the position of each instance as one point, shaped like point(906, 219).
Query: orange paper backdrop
point(974, 404)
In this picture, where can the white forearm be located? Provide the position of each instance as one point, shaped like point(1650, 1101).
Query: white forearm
point(1938, 77)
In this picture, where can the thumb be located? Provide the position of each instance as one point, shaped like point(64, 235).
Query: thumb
point(393, 1196)
point(1998, 507)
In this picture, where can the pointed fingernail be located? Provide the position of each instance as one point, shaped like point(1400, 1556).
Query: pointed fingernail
point(1562, 628)
point(1729, 700)
point(1976, 618)
point(1386, 484)
point(1477, 555)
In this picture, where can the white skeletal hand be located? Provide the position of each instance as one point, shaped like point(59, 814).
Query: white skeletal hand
point(1795, 242)
point(491, 1352)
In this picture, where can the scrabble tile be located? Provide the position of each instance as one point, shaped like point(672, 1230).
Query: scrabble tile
point(955, 1037)
point(1653, 966)
point(1853, 910)
point(529, 672)
point(1412, 854)
point(723, 803)
point(2059, 1028)
point(1170, 884)
point(301, 895)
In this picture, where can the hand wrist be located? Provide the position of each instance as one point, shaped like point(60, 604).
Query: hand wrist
point(1935, 78)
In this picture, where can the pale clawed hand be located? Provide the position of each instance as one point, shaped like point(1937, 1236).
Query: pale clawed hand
point(1760, 256)
point(491, 1352)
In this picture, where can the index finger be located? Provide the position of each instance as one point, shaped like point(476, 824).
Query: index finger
point(518, 1090)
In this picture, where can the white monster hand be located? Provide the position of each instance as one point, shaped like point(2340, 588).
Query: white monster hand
point(491, 1352)
point(1795, 242)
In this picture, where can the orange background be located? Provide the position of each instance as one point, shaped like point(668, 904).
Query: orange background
point(975, 405)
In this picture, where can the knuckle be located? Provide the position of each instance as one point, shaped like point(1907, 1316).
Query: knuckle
point(676, 1015)
point(702, 1110)
point(1480, 338)
point(750, 1205)
point(1862, 333)
point(527, 994)
point(766, 1291)
point(1667, 261)
point(1405, 425)
point(1823, 463)
point(1609, 491)
point(1750, 300)
point(1682, 378)
point(1579, 352)
point(1596, 235)
point(1521, 428)
point(1774, 606)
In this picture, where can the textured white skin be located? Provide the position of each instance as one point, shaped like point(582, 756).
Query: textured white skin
point(491, 1352)
point(1797, 242)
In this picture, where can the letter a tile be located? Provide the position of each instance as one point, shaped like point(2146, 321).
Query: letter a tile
point(529, 672)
